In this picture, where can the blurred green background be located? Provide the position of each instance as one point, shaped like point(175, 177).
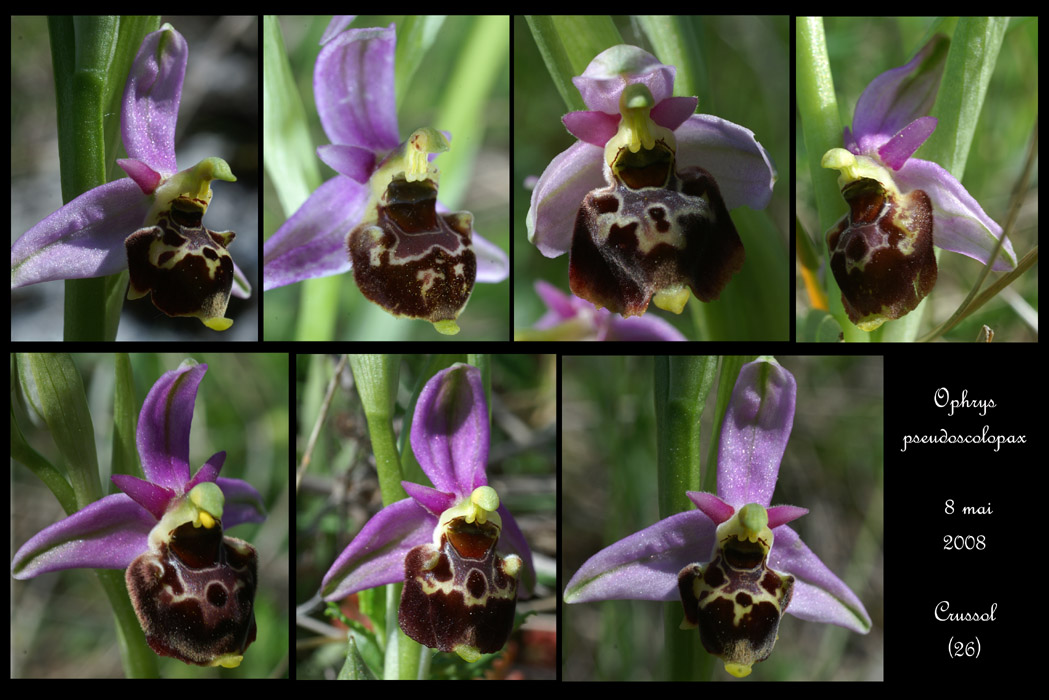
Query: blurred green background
point(832, 466)
point(482, 178)
point(746, 81)
point(861, 49)
point(62, 624)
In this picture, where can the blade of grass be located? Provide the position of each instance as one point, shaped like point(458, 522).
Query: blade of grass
point(568, 44)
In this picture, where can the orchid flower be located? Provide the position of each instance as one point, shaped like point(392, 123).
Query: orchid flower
point(734, 563)
point(570, 318)
point(379, 216)
point(456, 548)
point(881, 252)
point(193, 589)
point(150, 222)
point(641, 201)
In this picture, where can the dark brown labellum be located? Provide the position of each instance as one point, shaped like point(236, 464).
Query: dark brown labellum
point(737, 602)
point(460, 596)
point(650, 230)
point(881, 253)
point(414, 261)
point(195, 595)
point(184, 267)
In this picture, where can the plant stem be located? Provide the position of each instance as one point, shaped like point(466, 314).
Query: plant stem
point(681, 384)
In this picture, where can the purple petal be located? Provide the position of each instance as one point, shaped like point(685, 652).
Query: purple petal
point(959, 222)
point(351, 161)
point(754, 433)
point(674, 111)
point(560, 305)
point(107, 534)
point(151, 98)
point(645, 565)
point(450, 430)
point(85, 238)
point(895, 152)
point(434, 501)
point(492, 264)
point(558, 194)
point(635, 328)
point(153, 498)
point(730, 152)
point(613, 69)
point(312, 243)
point(243, 502)
point(819, 595)
point(375, 557)
point(163, 427)
point(714, 508)
point(778, 515)
point(208, 472)
point(144, 176)
point(595, 128)
point(599, 324)
point(512, 541)
point(899, 96)
point(353, 84)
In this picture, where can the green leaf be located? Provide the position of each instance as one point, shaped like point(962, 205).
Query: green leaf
point(415, 36)
point(290, 160)
point(568, 44)
point(680, 389)
point(125, 416)
point(354, 669)
point(22, 451)
point(970, 64)
point(482, 59)
point(52, 386)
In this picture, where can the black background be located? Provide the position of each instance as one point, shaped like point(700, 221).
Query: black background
point(919, 571)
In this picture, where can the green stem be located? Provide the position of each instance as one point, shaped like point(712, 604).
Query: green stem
point(822, 129)
point(91, 57)
point(681, 384)
point(376, 379)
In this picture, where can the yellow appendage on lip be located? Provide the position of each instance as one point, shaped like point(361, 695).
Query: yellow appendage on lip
point(208, 499)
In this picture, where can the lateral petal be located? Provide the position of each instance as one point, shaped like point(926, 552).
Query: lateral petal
point(819, 595)
point(107, 534)
point(312, 242)
point(85, 238)
point(375, 557)
point(645, 565)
